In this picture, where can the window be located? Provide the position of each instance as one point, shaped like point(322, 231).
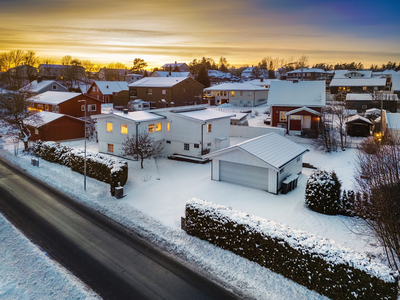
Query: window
point(109, 127)
point(364, 107)
point(124, 129)
point(40, 106)
point(110, 148)
point(240, 93)
point(54, 87)
point(168, 126)
point(158, 127)
point(36, 131)
point(92, 107)
point(282, 116)
point(46, 107)
point(209, 127)
point(294, 117)
point(55, 108)
point(208, 144)
point(232, 93)
point(186, 146)
point(184, 90)
point(217, 93)
point(248, 93)
point(133, 92)
point(151, 127)
point(196, 145)
point(94, 89)
point(364, 88)
point(298, 159)
point(149, 91)
point(83, 107)
point(225, 93)
point(168, 142)
point(164, 92)
point(375, 88)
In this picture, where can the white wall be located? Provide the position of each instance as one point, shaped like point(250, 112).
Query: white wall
point(252, 132)
point(294, 167)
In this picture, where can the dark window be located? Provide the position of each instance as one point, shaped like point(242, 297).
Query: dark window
point(133, 92)
point(186, 146)
point(196, 145)
point(168, 142)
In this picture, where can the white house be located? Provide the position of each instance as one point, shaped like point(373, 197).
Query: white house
point(238, 94)
point(393, 125)
point(263, 162)
point(42, 86)
point(356, 82)
point(187, 131)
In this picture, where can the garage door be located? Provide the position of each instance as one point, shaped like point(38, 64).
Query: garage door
point(244, 175)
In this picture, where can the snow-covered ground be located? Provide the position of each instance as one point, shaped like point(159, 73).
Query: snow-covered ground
point(155, 198)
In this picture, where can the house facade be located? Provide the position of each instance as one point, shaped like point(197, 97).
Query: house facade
point(51, 126)
point(182, 67)
point(105, 91)
point(109, 74)
point(71, 104)
point(296, 105)
point(57, 72)
point(167, 91)
point(186, 131)
point(396, 84)
point(362, 102)
point(41, 86)
point(357, 82)
point(310, 74)
point(255, 163)
point(239, 94)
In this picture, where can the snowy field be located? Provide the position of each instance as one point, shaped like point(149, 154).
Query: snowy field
point(154, 202)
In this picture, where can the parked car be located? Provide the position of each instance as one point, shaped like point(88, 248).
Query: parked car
point(267, 120)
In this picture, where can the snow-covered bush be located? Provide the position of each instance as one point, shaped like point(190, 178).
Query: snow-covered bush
point(99, 166)
point(323, 192)
point(315, 262)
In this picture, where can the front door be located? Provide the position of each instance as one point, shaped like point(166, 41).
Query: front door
point(307, 122)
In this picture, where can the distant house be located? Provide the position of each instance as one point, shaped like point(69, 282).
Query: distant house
point(40, 86)
point(171, 74)
point(65, 103)
point(182, 67)
point(105, 90)
point(23, 72)
point(393, 126)
point(356, 82)
point(265, 83)
point(240, 119)
point(57, 72)
point(362, 102)
point(108, 74)
point(187, 131)
point(49, 126)
point(309, 74)
point(251, 73)
point(262, 163)
point(396, 84)
point(239, 94)
point(358, 126)
point(133, 77)
point(167, 91)
point(296, 105)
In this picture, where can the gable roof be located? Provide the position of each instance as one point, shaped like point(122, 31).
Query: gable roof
point(173, 65)
point(307, 70)
point(45, 117)
point(272, 148)
point(343, 74)
point(110, 87)
point(302, 93)
point(53, 98)
point(135, 116)
point(158, 81)
point(205, 114)
point(294, 111)
point(358, 118)
point(36, 87)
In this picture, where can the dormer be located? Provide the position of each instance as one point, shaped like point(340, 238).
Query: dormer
point(354, 74)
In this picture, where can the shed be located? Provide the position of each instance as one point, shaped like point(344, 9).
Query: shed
point(358, 126)
point(262, 163)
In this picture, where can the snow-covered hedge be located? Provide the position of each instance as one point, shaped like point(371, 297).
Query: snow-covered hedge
point(315, 262)
point(99, 166)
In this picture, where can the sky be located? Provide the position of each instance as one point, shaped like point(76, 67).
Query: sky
point(242, 31)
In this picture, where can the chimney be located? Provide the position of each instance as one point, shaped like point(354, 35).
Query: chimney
point(125, 110)
point(261, 79)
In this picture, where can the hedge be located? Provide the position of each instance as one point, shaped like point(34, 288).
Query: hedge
point(315, 262)
point(98, 166)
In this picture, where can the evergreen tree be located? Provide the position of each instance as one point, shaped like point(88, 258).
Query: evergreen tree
point(202, 77)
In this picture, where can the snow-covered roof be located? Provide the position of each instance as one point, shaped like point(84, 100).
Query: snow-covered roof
point(236, 86)
point(393, 120)
point(373, 110)
point(345, 74)
point(371, 81)
point(157, 81)
point(53, 98)
point(36, 87)
point(41, 118)
point(170, 74)
point(295, 111)
point(109, 87)
point(396, 82)
point(301, 93)
point(358, 118)
point(368, 97)
point(205, 114)
point(136, 116)
point(272, 148)
point(385, 72)
point(264, 82)
point(173, 65)
point(239, 116)
point(307, 70)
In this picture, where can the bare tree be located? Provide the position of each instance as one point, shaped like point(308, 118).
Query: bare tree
point(327, 135)
point(141, 145)
point(378, 179)
point(138, 65)
point(339, 115)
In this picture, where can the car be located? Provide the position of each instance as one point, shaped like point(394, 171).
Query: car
point(267, 120)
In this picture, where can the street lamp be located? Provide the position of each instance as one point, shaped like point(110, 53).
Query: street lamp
point(84, 168)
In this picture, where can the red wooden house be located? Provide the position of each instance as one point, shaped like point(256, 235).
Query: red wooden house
point(106, 90)
point(296, 105)
point(48, 126)
point(65, 103)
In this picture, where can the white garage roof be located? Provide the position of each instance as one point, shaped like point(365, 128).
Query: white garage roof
point(271, 148)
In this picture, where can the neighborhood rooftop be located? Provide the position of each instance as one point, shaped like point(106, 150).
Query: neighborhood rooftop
point(139, 116)
point(206, 114)
point(109, 87)
point(53, 98)
point(158, 81)
point(238, 86)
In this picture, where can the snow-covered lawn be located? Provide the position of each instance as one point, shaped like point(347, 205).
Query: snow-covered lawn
point(155, 198)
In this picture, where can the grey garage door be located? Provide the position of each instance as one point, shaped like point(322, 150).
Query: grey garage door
point(244, 175)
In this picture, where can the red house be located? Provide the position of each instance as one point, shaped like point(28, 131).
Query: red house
point(48, 126)
point(296, 105)
point(106, 90)
point(65, 103)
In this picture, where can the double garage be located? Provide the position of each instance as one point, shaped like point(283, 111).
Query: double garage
point(261, 163)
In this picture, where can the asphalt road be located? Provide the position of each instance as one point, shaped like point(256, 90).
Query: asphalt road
point(113, 261)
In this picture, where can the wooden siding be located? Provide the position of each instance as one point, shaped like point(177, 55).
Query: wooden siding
point(64, 128)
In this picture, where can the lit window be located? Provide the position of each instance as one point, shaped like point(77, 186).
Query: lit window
point(158, 127)
point(208, 127)
point(217, 93)
point(36, 131)
point(225, 93)
point(164, 92)
point(124, 129)
point(109, 127)
point(40, 106)
point(232, 93)
point(186, 147)
point(149, 91)
point(168, 126)
point(151, 127)
point(46, 107)
point(110, 148)
point(83, 107)
point(282, 116)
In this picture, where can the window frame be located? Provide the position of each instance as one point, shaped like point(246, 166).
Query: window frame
point(186, 146)
point(124, 126)
point(159, 126)
point(151, 128)
point(110, 148)
point(109, 126)
point(209, 128)
point(282, 116)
